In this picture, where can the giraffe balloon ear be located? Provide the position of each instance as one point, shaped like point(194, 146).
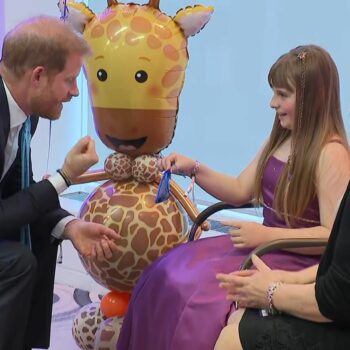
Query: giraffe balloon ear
point(154, 4)
point(193, 19)
point(111, 3)
point(77, 14)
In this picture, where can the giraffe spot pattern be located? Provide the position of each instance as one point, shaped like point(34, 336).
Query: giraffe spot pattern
point(128, 259)
point(170, 78)
point(174, 93)
point(154, 91)
point(97, 31)
point(86, 324)
point(140, 25)
point(150, 219)
point(153, 236)
point(153, 42)
point(163, 18)
point(145, 232)
point(171, 52)
point(93, 88)
point(140, 242)
point(131, 38)
point(117, 215)
point(107, 335)
point(166, 227)
point(172, 98)
point(163, 32)
point(114, 30)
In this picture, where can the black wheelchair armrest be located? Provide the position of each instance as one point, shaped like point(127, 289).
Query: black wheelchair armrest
point(202, 216)
point(263, 248)
point(282, 244)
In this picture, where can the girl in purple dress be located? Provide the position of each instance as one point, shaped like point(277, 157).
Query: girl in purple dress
point(298, 177)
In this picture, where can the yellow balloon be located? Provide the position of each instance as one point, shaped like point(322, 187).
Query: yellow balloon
point(137, 70)
point(135, 77)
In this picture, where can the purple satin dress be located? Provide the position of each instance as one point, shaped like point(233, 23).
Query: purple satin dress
point(177, 303)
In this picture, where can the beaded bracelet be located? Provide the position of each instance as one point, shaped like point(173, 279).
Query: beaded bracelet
point(270, 292)
point(65, 177)
point(194, 171)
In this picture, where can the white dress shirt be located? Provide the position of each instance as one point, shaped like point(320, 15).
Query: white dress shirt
point(17, 119)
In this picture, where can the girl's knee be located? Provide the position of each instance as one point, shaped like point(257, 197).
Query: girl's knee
point(228, 339)
point(225, 340)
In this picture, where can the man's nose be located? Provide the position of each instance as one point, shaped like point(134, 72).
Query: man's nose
point(74, 91)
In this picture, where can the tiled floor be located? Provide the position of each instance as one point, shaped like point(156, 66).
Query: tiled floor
point(67, 302)
point(64, 310)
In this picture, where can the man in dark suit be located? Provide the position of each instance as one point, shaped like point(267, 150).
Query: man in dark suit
point(41, 59)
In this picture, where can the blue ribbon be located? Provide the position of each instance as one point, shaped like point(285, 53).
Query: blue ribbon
point(163, 192)
point(25, 156)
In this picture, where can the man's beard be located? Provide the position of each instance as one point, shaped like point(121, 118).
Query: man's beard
point(42, 105)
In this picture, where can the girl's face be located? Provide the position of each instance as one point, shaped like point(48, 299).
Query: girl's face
point(283, 101)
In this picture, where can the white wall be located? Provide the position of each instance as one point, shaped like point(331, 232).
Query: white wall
point(224, 113)
point(2, 21)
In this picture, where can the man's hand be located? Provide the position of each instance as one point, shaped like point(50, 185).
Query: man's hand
point(80, 158)
point(91, 240)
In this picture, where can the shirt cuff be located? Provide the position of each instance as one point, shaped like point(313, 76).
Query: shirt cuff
point(58, 183)
point(58, 230)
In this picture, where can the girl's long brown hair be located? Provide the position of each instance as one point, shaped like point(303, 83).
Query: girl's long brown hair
point(312, 74)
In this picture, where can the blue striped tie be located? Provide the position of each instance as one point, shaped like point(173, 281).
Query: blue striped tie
point(25, 155)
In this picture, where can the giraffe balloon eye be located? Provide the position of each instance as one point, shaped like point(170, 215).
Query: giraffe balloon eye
point(141, 76)
point(102, 75)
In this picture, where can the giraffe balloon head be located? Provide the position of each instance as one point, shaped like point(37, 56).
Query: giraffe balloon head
point(136, 71)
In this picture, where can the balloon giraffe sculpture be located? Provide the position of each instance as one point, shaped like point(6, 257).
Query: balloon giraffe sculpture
point(135, 76)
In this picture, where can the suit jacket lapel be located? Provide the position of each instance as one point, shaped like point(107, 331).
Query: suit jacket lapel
point(4, 124)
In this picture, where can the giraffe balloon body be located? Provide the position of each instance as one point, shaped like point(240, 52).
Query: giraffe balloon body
point(135, 76)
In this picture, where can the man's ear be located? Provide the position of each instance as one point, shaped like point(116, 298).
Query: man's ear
point(38, 75)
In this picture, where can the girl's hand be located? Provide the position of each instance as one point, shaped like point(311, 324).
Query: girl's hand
point(246, 234)
point(177, 163)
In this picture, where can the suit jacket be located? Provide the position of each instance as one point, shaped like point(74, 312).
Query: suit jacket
point(39, 204)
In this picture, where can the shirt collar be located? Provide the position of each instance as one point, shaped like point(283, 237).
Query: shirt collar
point(17, 116)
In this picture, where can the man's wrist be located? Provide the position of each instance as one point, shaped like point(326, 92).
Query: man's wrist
point(58, 183)
point(65, 177)
point(67, 233)
point(58, 230)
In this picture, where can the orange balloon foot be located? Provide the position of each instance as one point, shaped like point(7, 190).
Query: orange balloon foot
point(115, 304)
